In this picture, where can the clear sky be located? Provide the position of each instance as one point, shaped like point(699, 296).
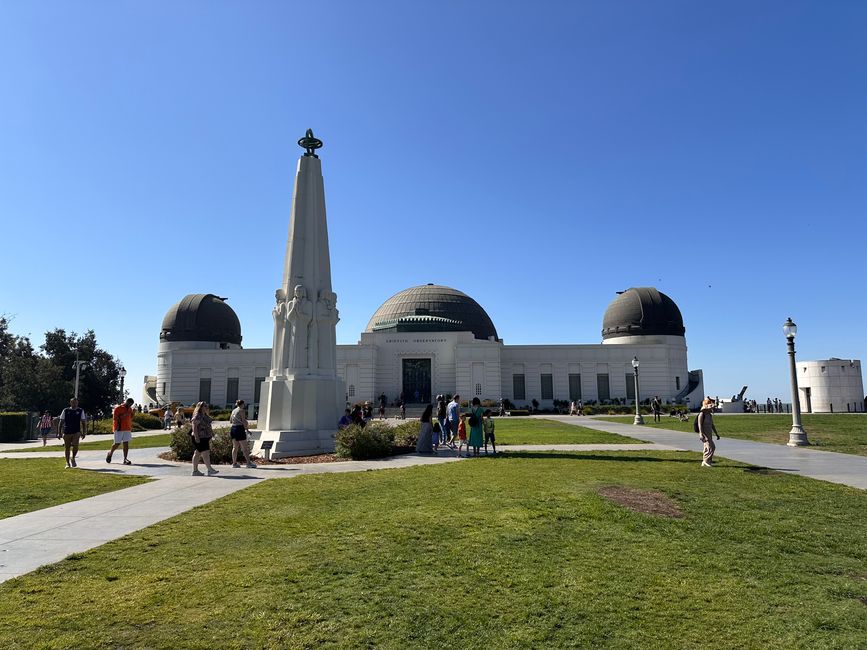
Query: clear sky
point(537, 156)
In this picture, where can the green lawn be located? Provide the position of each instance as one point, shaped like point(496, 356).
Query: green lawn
point(841, 432)
point(160, 440)
point(523, 553)
point(532, 431)
point(34, 483)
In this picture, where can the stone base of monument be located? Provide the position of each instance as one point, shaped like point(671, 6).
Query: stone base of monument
point(292, 443)
point(299, 415)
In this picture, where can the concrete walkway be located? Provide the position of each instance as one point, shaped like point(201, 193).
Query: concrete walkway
point(846, 469)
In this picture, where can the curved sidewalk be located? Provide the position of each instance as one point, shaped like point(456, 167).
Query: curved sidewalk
point(846, 469)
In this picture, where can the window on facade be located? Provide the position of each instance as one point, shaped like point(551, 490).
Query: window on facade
point(603, 389)
point(164, 388)
point(205, 391)
point(257, 389)
point(574, 387)
point(630, 385)
point(518, 387)
point(547, 386)
point(231, 390)
point(352, 390)
point(677, 383)
point(478, 390)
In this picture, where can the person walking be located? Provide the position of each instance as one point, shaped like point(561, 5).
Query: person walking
point(424, 444)
point(202, 432)
point(46, 424)
point(238, 432)
point(382, 401)
point(706, 431)
point(656, 408)
point(573, 408)
point(580, 407)
point(122, 426)
point(462, 436)
point(167, 418)
point(453, 418)
point(488, 424)
point(477, 436)
point(73, 428)
point(441, 418)
point(180, 418)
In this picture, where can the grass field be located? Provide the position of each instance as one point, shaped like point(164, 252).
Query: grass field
point(524, 553)
point(141, 442)
point(34, 483)
point(533, 431)
point(844, 433)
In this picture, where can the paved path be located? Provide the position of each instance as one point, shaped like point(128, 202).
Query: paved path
point(846, 469)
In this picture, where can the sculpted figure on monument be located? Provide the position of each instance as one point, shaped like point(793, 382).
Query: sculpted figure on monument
point(299, 315)
point(278, 361)
point(327, 318)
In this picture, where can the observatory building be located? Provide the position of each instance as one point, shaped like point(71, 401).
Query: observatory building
point(433, 339)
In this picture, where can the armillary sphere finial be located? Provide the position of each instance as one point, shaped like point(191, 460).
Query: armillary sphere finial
point(310, 143)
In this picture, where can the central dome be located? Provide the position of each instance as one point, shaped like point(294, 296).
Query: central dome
point(432, 308)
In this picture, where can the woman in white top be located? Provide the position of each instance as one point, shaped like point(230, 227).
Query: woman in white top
point(240, 427)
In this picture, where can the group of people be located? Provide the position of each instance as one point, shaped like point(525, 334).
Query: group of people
point(576, 407)
point(202, 431)
point(449, 429)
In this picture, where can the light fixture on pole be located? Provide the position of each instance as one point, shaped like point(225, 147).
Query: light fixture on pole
point(638, 419)
point(122, 374)
point(78, 366)
point(797, 436)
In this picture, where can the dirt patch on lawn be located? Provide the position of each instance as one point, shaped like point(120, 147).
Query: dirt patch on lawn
point(650, 502)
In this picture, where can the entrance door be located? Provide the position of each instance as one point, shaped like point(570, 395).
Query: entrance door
point(416, 380)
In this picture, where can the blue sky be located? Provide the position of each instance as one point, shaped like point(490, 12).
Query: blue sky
point(537, 156)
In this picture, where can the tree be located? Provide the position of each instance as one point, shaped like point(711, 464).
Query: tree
point(34, 381)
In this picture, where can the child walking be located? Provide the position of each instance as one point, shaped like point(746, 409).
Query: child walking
point(462, 436)
point(488, 423)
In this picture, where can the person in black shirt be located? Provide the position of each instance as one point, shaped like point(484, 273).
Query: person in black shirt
point(73, 424)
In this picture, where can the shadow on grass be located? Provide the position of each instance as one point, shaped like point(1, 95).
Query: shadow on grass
point(577, 455)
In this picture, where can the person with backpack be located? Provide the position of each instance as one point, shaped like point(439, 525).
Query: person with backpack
point(704, 426)
point(477, 435)
point(656, 408)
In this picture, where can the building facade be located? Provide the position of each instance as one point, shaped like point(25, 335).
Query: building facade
point(831, 386)
point(431, 340)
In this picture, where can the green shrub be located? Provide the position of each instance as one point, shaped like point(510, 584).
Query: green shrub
point(406, 433)
point(221, 445)
point(360, 443)
point(221, 414)
point(589, 410)
point(13, 427)
point(182, 443)
point(147, 421)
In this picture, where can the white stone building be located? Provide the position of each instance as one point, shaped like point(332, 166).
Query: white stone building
point(431, 340)
point(830, 386)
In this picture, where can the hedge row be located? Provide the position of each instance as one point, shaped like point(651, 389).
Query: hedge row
point(13, 427)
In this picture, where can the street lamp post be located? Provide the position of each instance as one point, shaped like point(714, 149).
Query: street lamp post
point(638, 419)
point(797, 436)
point(122, 373)
point(78, 366)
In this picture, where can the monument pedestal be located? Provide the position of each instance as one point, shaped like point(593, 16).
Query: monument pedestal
point(299, 414)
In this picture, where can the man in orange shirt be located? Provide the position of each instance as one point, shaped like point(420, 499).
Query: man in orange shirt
point(122, 417)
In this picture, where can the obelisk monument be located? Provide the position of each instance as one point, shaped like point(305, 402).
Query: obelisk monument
point(302, 397)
